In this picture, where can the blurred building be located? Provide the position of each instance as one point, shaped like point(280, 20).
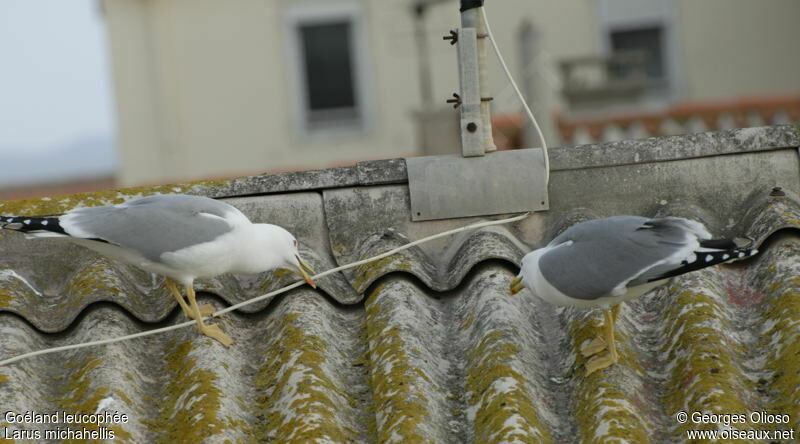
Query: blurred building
point(665, 68)
point(209, 89)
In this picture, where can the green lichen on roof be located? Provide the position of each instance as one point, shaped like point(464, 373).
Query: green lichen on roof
point(16, 292)
point(706, 376)
point(190, 400)
point(6, 296)
point(294, 366)
point(468, 321)
point(93, 278)
point(122, 397)
point(499, 394)
point(601, 404)
point(48, 206)
point(399, 402)
point(372, 270)
point(3, 378)
point(792, 218)
point(783, 343)
point(277, 278)
point(78, 396)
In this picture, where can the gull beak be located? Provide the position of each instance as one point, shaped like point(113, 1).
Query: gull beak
point(516, 285)
point(306, 271)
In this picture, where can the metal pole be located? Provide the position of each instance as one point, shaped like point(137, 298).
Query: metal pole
point(528, 42)
point(423, 54)
point(483, 74)
point(472, 126)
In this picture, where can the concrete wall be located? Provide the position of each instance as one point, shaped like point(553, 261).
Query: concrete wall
point(740, 47)
point(204, 88)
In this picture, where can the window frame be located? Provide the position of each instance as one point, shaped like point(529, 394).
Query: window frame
point(616, 16)
point(663, 78)
point(304, 14)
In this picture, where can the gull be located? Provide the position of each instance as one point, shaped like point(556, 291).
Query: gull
point(177, 236)
point(603, 262)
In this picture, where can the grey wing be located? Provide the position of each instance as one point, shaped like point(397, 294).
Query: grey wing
point(182, 203)
point(606, 255)
point(152, 225)
point(683, 235)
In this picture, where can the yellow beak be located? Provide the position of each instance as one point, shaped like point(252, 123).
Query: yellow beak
point(307, 272)
point(516, 285)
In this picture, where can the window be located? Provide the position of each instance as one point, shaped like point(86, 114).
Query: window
point(326, 57)
point(648, 41)
point(641, 38)
point(328, 72)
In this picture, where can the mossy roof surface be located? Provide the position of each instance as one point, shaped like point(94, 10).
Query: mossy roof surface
point(427, 346)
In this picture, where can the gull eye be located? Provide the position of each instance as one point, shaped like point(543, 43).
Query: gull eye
point(295, 242)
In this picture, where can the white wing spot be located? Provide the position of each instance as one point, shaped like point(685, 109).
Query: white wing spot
point(741, 254)
point(691, 259)
point(26, 221)
point(709, 257)
point(753, 252)
point(725, 257)
point(45, 222)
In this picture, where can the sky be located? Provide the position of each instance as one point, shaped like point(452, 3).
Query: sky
point(55, 91)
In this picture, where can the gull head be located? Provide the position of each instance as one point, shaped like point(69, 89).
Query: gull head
point(297, 263)
point(278, 248)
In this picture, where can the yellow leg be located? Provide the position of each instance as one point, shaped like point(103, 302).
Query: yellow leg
point(170, 284)
point(212, 331)
point(610, 358)
point(597, 345)
point(608, 329)
point(205, 309)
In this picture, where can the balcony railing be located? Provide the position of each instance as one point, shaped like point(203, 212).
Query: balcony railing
point(593, 80)
point(681, 118)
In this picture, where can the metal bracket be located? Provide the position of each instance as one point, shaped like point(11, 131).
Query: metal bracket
point(472, 137)
point(453, 37)
point(456, 100)
point(450, 186)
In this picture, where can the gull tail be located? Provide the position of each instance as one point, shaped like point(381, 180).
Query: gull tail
point(33, 226)
point(708, 256)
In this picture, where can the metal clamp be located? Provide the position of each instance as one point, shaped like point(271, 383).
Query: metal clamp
point(453, 37)
point(456, 102)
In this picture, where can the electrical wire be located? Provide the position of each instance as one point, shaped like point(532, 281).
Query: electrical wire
point(262, 297)
point(333, 270)
point(521, 97)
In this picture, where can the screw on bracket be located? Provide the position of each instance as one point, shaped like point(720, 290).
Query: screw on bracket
point(777, 192)
point(453, 37)
point(487, 99)
point(456, 102)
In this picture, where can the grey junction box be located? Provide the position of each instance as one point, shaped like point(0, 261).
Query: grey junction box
point(501, 182)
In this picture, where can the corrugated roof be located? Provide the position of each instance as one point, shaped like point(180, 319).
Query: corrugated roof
point(428, 346)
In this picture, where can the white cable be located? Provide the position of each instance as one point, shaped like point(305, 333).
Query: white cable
point(262, 297)
point(521, 97)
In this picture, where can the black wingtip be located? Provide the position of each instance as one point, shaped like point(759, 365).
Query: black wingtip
point(709, 258)
point(26, 224)
point(704, 259)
